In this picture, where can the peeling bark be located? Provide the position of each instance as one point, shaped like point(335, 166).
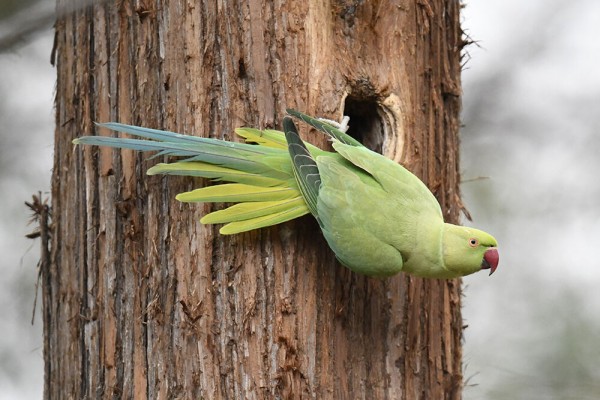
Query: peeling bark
point(142, 301)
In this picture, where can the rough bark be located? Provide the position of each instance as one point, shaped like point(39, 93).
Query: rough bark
point(142, 301)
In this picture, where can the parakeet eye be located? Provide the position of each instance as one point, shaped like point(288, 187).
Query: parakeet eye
point(473, 242)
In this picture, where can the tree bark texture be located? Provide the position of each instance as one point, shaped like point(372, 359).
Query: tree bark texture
point(142, 301)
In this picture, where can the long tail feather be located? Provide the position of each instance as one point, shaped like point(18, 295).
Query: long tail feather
point(241, 156)
point(261, 222)
point(214, 172)
point(267, 137)
point(236, 192)
point(272, 138)
point(251, 210)
point(260, 169)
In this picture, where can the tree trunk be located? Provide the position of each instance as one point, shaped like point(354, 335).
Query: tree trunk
point(142, 301)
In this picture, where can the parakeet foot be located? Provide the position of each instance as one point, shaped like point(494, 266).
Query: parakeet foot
point(342, 125)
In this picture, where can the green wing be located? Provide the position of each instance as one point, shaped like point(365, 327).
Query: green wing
point(371, 210)
point(326, 128)
point(405, 188)
point(304, 166)
point(356, 216)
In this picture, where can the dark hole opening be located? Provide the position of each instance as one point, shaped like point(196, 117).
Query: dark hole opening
point(366, 125)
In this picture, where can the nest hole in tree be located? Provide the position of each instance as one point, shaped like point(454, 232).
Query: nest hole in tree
point(366, 124)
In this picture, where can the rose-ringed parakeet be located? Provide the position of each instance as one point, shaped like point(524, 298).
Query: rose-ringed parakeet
point(378, 218)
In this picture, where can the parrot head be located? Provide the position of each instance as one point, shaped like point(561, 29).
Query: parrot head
point(468, 250)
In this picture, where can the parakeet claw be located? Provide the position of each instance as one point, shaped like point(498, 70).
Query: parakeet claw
point(342, 125)
point(490, 260)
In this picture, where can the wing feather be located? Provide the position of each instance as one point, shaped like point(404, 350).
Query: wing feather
point(304, 166)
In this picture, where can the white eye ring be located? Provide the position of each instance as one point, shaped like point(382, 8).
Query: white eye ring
point(473, 242)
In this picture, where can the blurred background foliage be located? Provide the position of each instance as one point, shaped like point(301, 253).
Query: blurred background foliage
point(21, 21)
point(531, 129)
point(9, 8)
point(530, 156)
point(26, 128)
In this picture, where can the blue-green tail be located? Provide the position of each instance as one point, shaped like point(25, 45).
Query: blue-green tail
point(262, 179)
point(273, 179)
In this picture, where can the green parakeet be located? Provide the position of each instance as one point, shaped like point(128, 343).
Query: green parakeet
point(378, 218)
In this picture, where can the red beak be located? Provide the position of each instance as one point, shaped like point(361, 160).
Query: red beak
point(490, 260)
